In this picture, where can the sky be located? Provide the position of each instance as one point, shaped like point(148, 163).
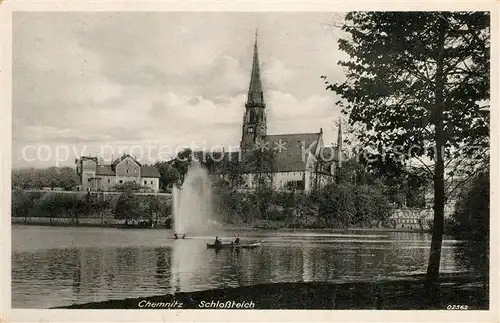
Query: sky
point(150, 83)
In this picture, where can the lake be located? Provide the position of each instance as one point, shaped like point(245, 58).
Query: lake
point(57, 266)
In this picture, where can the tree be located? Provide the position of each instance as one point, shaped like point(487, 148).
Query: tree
point(67, 178)
point(52, 202)
point(261, 163)
point(471, 218)
point(64, 177)
point(168, 175)
point(182, 162)
point(127, 206)
point(153, 208)
point(471, 222)
point(21, 204)
point(418, 89)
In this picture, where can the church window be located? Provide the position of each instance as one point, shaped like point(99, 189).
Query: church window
point(121, 181)
point(128, 170)
point(145, 182)
point(250, 130)
point(252, 116)
point(109, 181)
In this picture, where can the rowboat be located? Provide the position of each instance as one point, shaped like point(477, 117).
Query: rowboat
point(233, 245)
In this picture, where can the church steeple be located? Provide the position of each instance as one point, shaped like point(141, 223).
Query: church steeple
point(254, 121)
point(255, 94)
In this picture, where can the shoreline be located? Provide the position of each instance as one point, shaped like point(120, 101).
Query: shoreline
point(402, 294)
point(228, 228)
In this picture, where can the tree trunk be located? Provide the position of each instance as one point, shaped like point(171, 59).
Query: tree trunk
point(439, 196)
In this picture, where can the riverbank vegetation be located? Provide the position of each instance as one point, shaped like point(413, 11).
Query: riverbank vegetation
point(342, 205)
point(127, 207)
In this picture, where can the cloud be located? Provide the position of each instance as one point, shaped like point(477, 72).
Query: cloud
point(277, 75)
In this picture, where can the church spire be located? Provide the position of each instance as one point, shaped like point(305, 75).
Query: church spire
point(254, 121)
point(255, 94)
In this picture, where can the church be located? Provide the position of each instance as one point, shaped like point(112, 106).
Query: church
point(301, 161)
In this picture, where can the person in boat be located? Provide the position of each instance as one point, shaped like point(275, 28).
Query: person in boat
point(237, 240)
point(217, 241)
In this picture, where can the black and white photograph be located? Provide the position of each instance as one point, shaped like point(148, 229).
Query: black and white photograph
point(250, 160)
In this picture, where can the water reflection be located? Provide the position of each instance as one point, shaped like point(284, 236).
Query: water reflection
point(55, 277)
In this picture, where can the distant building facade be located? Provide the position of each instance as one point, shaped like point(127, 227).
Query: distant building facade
point(94, 176)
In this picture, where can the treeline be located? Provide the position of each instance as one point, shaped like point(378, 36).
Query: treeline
point(336, 206)
point(125, 206)
point(52, 177)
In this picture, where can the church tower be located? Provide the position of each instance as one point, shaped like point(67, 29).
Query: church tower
point(255, 120)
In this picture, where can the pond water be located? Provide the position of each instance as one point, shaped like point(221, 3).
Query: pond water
point(57, 266)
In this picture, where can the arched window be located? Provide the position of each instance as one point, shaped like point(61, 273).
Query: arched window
point(252, 116)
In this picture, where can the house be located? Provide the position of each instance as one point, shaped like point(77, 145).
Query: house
point(94, 176)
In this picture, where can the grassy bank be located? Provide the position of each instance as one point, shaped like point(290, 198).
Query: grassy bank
point(388, 295)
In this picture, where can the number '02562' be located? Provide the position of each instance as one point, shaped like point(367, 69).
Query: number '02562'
point(457, 307)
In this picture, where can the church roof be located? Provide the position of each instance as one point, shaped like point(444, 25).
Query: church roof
point(149, 171)
point(255, 94)
point(293, 141)
point(290, 154)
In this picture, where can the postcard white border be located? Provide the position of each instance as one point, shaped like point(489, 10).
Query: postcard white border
point(53, 315)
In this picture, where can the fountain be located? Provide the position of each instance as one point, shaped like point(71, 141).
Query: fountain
point(192, 203)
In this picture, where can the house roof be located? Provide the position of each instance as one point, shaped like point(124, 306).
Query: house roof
point(149, 171)
point(105, 170)
point(88, 158)
point(119, 159)
point(146, 171)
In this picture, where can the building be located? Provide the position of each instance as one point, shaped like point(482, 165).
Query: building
point(301, 160)
point(94, 176)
